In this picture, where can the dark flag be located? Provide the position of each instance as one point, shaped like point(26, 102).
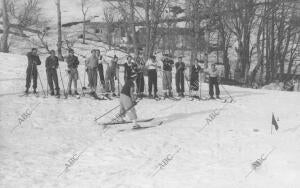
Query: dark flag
point(274, 122)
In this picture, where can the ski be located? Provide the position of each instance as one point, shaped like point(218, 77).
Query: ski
point(126, 122)
point(198, 99)
point(96, 97)
point(106, 96)
point(142, 127)
point(170, 98)
point(28, 94)
point(148, 126)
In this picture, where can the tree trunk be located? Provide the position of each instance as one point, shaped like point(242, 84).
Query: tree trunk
point(83, 29)
point(132, 25)
point(4, 38)
point(224, 46)
point(148, 29)
point(59, 37)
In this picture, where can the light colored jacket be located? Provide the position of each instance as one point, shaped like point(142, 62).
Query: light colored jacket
point(212, 73)
point(91, 62)
point(151, 64)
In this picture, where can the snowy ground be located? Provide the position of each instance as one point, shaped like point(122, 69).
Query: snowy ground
point(218, 155)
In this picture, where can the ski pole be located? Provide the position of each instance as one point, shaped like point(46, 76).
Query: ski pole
point(226, 92)
point(41, 83)
point(117, 116)
point(47, 83)
point(65, 94)
point(106, 113)
point(200, 85)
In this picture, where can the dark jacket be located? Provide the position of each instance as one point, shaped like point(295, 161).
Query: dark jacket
point(167, 64)
point(72, 62)
point(180, 67)
point(129, 70)
point(33, 60)
point(52, 63)
point(196, 69)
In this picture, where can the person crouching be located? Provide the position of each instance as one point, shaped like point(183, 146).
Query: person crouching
point(128, 100)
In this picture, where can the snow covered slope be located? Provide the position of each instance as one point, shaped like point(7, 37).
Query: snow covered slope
point(214, 155)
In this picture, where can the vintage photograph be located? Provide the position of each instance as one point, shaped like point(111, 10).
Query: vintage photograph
point(149, 93)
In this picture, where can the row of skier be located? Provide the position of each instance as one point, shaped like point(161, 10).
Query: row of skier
point(133, 66)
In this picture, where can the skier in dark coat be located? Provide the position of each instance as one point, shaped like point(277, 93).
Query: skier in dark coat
point(194, 83)
point(179, 77)
point(32, 72)
point(51, 66)
point(73, 63)
point(140, 82)
point(127, 100)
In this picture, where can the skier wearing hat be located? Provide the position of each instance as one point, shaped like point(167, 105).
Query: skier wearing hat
point(128, 100)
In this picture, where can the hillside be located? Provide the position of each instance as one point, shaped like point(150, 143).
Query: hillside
point(214, 155)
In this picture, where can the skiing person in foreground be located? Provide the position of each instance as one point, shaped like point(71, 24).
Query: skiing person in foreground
point(130, 67)
point(128, 101)
point(73, 63)
point(91, 66)
point(32, 72)
point(213, 80)
point(51, 66)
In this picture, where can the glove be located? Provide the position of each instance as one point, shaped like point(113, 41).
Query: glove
point(86, 70)
point(68, 71)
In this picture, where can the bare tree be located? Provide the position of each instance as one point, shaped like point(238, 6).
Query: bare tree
point(109, 19)
point(4, 47)
point(84, 10)
point(132, 25)
point(26, 14)
point(59, 34)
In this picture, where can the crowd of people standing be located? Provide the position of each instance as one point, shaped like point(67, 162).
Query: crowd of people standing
point(94, 68)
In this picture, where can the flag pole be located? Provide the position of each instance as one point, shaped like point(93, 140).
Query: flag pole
point(271, 129)
point(272, 124)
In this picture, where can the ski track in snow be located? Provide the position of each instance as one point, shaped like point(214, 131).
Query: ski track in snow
point(220, 155)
